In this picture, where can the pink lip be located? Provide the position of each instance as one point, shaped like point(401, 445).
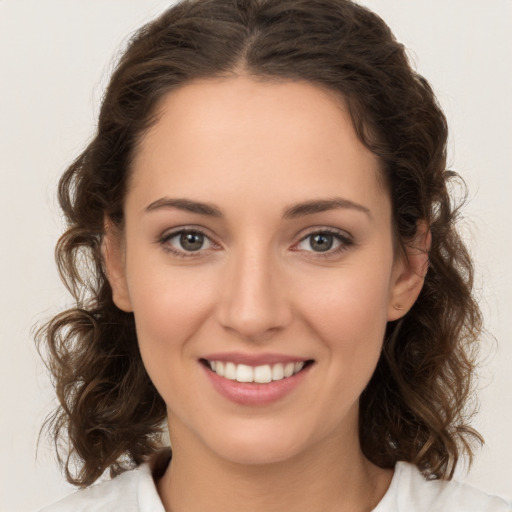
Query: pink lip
point(254, 394)
point(254, 359)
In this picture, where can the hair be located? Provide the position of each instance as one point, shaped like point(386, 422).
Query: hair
point(415, 406)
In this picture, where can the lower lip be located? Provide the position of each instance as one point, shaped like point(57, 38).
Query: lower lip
point(252, 393)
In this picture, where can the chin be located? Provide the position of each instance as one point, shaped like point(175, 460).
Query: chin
point(260, 446)
point(255, 454)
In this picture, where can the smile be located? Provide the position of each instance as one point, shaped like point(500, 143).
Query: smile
point(262, 374)
point(255, 380)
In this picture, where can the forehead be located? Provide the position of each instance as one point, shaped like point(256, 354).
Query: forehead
point(241, 134)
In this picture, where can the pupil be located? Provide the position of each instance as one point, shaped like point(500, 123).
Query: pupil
point(321, 243)
point(191, 241)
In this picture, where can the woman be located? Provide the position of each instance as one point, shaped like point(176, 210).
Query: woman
point(262, 251)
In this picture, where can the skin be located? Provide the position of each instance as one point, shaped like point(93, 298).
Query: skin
point(254, 149)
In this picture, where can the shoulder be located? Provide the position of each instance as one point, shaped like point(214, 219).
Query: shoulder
point(132, 491)
point(411, 492)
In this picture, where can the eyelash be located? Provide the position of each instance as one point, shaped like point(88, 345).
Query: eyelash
point(344, 240)
point(163, 241)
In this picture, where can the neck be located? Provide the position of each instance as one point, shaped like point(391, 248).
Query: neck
point(338, 480)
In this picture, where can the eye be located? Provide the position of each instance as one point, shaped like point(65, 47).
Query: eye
point(325, 241)
point(185, 241)
point(321, 242)
point(190, 241)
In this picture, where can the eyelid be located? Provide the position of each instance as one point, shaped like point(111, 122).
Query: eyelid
point(346, 240)
point(316, 230)
point(174, 232)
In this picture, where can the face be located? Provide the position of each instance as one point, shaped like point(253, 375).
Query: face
point(258, 261)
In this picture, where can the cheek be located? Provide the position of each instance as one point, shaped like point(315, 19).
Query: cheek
point(351, 297)
point(169, 306)
point(348, 312)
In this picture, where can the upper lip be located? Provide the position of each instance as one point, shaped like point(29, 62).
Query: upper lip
point(254, 359)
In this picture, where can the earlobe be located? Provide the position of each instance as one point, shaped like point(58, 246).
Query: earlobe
point(113, 258)
point(409, 273)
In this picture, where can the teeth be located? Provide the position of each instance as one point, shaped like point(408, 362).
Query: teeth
point(263, 374)
point(277, 372)
point(289, 369)
point(298, 367)
point(230, 371)
point(260, 374)
point(244, 373)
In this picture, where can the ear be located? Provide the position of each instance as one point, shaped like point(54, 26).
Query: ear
point(409, 273)
point(113, 252)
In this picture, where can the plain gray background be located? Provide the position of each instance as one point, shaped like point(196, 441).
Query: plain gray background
point(55, 58)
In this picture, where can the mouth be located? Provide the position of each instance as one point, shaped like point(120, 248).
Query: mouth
point(261, 374)
point(255, 380)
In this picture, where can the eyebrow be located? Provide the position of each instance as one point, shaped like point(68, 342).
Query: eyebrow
point(292, 212)
point(322, 205)
point(186, 205)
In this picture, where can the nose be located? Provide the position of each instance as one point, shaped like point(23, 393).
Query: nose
point(253, 301)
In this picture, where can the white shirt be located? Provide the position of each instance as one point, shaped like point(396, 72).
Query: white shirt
point(135, 491)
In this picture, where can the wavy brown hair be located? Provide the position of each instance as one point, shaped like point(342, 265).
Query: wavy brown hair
point(414, 407)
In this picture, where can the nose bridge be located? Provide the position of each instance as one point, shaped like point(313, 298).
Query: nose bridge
point(253, 301)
